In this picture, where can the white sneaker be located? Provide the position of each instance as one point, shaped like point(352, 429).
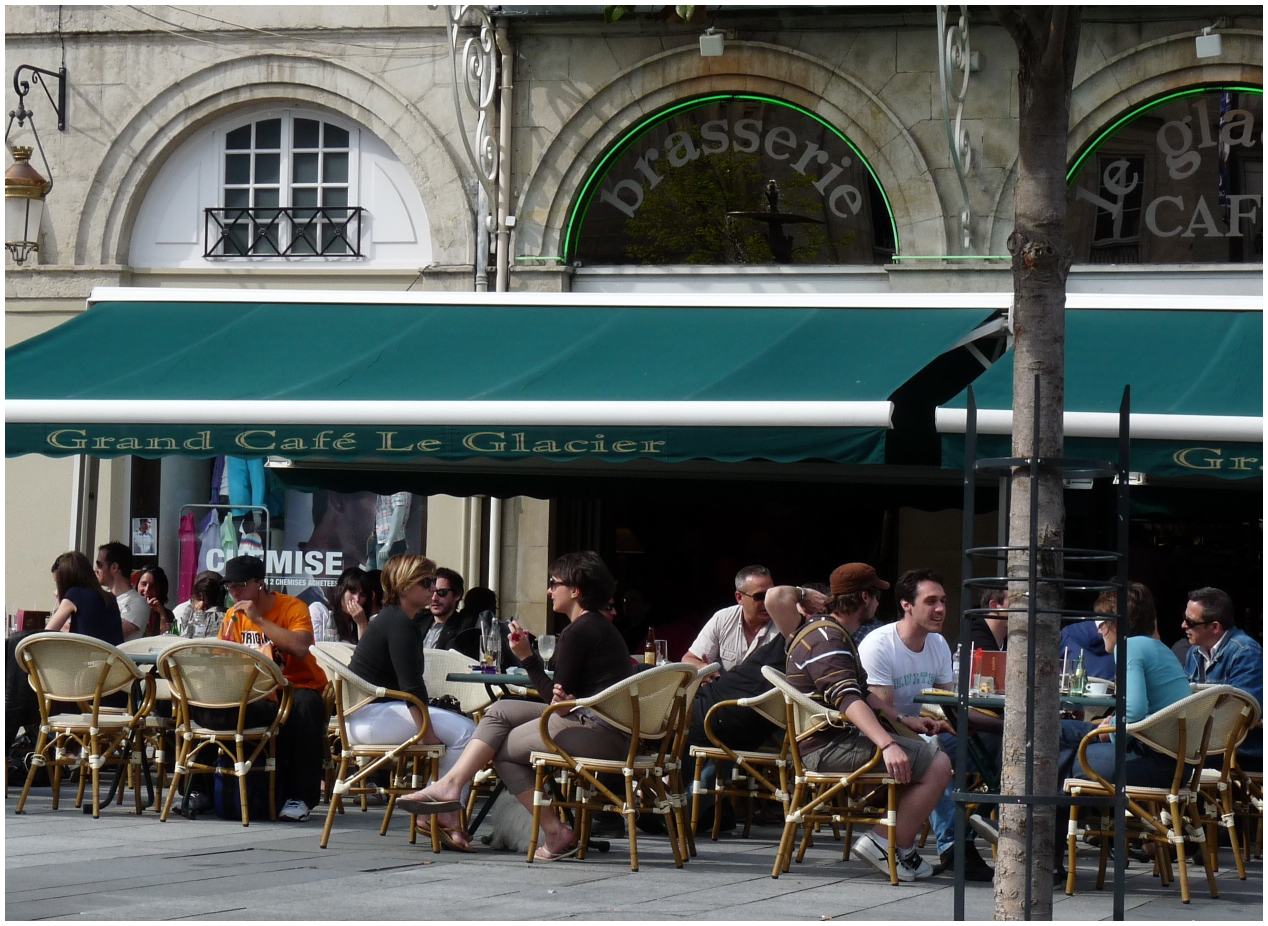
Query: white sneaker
point(865, 847)
point(296, 811)
point(914, 864)
point(984, 828)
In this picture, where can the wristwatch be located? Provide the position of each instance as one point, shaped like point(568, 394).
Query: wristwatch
point(801, 594)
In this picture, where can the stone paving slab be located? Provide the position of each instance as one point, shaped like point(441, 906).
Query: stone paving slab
point(65, 865)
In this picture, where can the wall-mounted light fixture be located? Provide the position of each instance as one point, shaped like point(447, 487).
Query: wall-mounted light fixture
point(712, 43)
point(24, 186)
point(1209, 44)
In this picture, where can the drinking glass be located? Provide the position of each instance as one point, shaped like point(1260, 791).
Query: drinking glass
point(662, 652)
point(546, 646)
point(490, 646)
point(986, 685)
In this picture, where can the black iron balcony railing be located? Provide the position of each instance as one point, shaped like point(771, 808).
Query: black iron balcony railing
point(286, 231)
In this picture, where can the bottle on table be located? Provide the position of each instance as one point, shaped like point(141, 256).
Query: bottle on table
point(649, 647)
point(1078, 682)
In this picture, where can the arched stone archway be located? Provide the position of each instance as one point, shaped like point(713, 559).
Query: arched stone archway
point(754, 67)
point(1120, 83)
point(141, 145)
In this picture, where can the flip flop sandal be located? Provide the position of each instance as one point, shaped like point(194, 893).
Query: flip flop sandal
point(545, 855)
point(447, 836)
point(416, 806)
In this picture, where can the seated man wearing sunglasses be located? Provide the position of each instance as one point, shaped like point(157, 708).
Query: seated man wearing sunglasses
point(734, 632)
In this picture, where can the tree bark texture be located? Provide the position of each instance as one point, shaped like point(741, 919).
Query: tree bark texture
point(1047, 44)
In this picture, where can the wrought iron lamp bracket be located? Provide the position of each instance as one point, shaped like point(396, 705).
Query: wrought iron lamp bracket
point(473, 56)
point(40, 76)
point(954, 65)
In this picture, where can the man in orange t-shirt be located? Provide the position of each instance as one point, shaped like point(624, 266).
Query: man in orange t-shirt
point(267, 620)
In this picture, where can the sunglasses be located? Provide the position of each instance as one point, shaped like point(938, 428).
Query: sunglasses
point(444, 592)
point(756, 596)
point(552, 582)
point(1185, 622)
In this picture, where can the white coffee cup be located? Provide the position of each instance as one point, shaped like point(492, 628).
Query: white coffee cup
point(1098, 688)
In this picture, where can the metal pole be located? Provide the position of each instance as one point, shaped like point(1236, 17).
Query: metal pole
point(961, 683)
point(1120, 665)
point(1031, 599)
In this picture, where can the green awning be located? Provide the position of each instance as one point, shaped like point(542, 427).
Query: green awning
point(1196, 381)
point(408, 378)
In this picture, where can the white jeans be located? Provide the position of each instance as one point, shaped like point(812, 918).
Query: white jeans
point(391, 722)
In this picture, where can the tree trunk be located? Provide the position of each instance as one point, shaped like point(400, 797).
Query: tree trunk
point(1047, 44)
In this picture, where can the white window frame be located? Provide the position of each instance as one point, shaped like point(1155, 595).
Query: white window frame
point(285, 184)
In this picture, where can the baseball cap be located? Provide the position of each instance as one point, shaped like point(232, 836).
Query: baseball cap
point(855, 577)
point(243, 568)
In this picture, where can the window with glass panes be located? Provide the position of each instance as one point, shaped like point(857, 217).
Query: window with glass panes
point(286, 187)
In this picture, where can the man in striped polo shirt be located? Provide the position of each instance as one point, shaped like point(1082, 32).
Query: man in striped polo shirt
point(824, 663)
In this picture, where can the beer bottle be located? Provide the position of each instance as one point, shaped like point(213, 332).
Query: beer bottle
point(649, 648)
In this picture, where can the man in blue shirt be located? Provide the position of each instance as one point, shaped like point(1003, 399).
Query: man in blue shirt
point(1222, 653)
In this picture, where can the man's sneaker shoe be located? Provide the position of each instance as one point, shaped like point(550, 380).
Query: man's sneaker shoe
point(866, 848)
point(912, 867)
point(296, 811)
point(984, 828)
point(975, 867)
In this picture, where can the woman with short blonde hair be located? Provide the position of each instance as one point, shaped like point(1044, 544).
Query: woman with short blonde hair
point(390, 654)
point(402, 571)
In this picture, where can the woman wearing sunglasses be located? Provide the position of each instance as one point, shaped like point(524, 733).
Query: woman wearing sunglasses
point(590, 655)
point(390, 654)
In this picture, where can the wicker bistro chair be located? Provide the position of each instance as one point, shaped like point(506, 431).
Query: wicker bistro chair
point(472, 699)
point(675, 773)
point(1185, 731)
point(650, 706)
point(159, 728)
point(829, 797)
point(751, 772)
point(73, 668)
point(343, 653)
point(219, 675)
point(1215, 803)
point(357, 762)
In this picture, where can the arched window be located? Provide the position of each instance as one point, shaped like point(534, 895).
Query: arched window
point(288, 189)
point(731, 178)
point(282, 185)
point(1177, 180)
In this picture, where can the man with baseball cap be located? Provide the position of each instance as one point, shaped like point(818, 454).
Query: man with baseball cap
point(270, 620)
point(824, 663)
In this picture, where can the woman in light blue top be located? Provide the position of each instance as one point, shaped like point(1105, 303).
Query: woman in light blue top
point(1154, 681)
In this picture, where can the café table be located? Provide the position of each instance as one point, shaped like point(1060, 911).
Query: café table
point(949, 701)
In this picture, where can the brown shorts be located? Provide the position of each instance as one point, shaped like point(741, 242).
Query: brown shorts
point(852, 749)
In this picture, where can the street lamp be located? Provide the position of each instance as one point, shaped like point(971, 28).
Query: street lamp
point(24, 191)
point(24, 186)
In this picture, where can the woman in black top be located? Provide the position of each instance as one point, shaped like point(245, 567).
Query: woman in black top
point(152, 585)
point(83, 606)
point(390, 654)
point(590, 655)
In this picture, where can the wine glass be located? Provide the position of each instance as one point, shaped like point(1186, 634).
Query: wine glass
point(490, 645)
point(546, 646)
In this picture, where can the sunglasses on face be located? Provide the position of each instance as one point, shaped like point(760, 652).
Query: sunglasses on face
point(552, 583)
point(1185, 622)
point(759, 597)
point(443, 592)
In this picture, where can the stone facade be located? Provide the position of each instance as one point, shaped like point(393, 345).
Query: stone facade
point(143, 79)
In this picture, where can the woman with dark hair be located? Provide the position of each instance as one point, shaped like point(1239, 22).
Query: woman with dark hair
point(1154, 681)
point(201, 615)
point(83, 605)
point(590, 655)
point(349, 604)
point(153, 587)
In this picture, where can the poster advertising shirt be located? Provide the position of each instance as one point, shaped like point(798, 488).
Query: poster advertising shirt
point(327, 532)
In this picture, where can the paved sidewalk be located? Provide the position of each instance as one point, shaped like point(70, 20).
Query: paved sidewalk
point(65, 865)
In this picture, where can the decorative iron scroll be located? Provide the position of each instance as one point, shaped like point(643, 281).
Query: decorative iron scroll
point(954, 65)
point(474, 58)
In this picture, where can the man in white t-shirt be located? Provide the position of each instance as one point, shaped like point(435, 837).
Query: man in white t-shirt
point(114, 571)
point(906, 657)
point(734, 632)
